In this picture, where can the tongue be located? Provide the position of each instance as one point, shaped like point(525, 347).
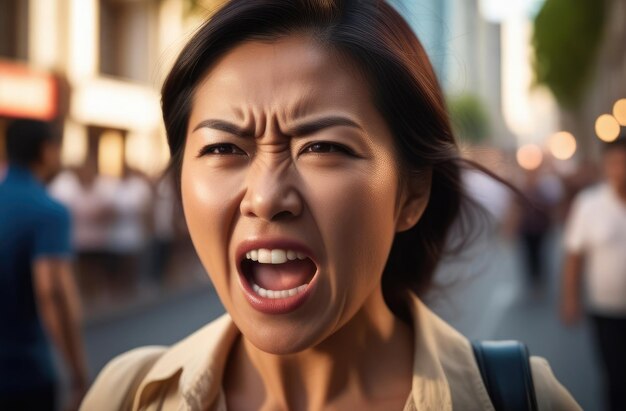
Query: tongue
point(284, 276)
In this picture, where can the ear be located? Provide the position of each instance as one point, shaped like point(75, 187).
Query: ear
point(413, 200)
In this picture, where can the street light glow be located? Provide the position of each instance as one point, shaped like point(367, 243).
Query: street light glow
point(619, 111)
point(529, 156)
point(562, 145)
point(111, 153)
point(607, 128)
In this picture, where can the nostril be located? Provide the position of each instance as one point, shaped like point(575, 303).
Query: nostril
point(283, 215)
point(278, 202)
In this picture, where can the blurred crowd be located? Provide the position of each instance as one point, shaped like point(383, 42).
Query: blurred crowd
point(541, 205)
point(129, 235)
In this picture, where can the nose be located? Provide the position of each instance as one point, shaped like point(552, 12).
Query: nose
point(271, 194)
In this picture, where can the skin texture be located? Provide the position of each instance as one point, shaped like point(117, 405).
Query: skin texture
point(571, 310)
point(614, 163)
point(59, 305)
point(334, 189)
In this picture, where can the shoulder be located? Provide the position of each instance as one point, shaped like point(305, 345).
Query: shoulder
point(551, 395)
point(445, 370)
point(56, 211)
point(53, 223)
point(466, 386)
point(117, 382)
point(186, 365)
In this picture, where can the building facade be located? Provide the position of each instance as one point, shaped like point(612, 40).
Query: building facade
point(99, 65)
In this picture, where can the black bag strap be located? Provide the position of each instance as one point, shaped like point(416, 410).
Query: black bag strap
point(505, 368)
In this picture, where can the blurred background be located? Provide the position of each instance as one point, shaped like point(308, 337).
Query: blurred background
point(533, 88)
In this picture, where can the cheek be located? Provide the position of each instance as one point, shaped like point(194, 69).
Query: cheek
point(209, 205)
point(356, 216)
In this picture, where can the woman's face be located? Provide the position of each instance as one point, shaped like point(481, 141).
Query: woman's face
point(290, 190)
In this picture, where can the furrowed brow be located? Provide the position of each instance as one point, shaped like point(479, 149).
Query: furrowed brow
point(224, 126)
point(313, 126)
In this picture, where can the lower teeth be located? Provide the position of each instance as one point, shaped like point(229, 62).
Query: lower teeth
point(274, 294)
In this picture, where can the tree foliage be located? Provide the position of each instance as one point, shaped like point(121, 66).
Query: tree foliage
point(566, 40)
point(469, 118)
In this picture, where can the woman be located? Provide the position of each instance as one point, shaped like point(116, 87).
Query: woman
point(319, 178)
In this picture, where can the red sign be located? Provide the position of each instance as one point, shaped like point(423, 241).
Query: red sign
point(26, 93)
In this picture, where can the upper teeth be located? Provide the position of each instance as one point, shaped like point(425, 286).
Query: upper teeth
point(276, 256)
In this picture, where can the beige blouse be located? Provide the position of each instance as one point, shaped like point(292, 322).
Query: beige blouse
point(188, 375)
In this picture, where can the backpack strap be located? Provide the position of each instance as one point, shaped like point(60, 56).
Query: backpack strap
point(505, 368)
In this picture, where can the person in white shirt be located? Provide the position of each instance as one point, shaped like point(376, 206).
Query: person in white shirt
point(595, 242)
point(89, 196)
point(129, 231)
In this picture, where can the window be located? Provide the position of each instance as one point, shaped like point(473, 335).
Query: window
point(128, 38)
point(14, 29)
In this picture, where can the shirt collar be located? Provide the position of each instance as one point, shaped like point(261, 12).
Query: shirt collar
point(430, 389)
point(200, 360)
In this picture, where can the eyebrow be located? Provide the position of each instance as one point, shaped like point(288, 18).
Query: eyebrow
point(224, 126)
point(315, 125)
point(306, 128)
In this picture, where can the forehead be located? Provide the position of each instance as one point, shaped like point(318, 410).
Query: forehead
point(293, 76)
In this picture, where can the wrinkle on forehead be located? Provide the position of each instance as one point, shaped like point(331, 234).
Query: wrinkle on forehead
point(316, 85)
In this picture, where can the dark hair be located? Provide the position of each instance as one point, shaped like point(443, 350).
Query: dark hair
point(405, 91)
point(25, 139)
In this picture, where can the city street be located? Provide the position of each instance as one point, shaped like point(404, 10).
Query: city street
point(486, 300)
point(129, 128)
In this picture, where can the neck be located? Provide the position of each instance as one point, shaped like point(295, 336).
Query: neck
point(36, 170)
point(363, 362)
point(39, 172)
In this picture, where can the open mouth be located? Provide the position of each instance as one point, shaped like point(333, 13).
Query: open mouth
point(277, 273)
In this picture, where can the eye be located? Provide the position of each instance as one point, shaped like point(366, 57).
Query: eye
point(321, 147)
point(223, 149)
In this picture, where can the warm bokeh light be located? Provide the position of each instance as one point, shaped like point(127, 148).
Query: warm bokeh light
point(607, 128)
point(74, 148)
point(147, 152)
point(529, 156)
point(562, 145)
point(111, 154)
point(619, 111)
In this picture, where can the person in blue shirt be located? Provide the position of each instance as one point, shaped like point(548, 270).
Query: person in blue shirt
point(38, 297)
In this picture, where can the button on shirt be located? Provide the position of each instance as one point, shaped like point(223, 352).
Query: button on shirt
point(597, 229)
point(32, 225)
